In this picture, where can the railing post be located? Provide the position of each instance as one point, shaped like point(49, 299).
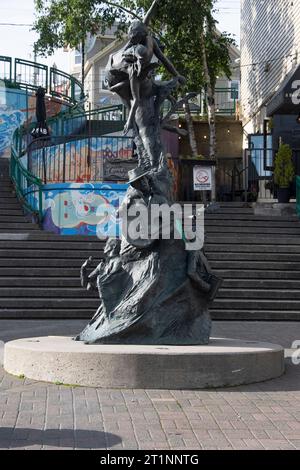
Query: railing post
point(64, 163)
point(44, 164)
point(40, 204)
point(72, 90)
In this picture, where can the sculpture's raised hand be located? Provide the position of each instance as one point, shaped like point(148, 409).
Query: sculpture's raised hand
point(181, 80)
point(83, 271)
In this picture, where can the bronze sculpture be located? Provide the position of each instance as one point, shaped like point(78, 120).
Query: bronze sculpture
point(152, 290)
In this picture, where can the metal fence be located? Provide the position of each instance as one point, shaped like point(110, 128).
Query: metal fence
point(30, 75)
point(258, 164)
point(81, 159)
point(26, 74)
point(226, 102)
point(5, 68)
point(77, 123)
point(28, 188)
point(230, 179)
point(64, 85)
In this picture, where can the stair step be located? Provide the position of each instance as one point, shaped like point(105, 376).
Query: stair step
point(261, 265)
point(48, 313)
point(7, 194)
point(46, 292)
point(48, 236)
point(261, 283)
point(275, 257)
point(255, 314)
point(18, 226)
point(235, 204)
point(229, 248)
point(9, 200)
point(51, 282)
point(252, 217)
point(15, 219)
point(252, 223)
point(258, 304)
point(261, 294)
point(253, 240)
point(232, 210)
point(49, 302)
point(44, 262)
point(81, 254)
point(58, 246)
point(254, 274)
point(252, 230)
point(16, 212)
point(39, 271)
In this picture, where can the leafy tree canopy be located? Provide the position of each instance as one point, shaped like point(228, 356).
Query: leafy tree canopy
point(187, 25)
point(183, 26)
point(67, 22)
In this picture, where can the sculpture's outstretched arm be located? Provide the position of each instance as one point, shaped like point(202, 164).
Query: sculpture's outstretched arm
point(167, 63)
point(175, 130)
point(177, 104)
point(151, 12)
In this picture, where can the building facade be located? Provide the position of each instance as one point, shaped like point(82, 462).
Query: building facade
point(270, 53)
point(97, 52)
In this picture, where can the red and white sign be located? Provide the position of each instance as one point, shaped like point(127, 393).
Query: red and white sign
point(202, 178)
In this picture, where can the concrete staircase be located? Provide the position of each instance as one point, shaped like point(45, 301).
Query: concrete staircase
point(258, 257)
point(39, 271)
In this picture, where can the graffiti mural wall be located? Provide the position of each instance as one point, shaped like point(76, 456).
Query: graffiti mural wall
point(17, 107)
point(83, 209)
point(83, 160)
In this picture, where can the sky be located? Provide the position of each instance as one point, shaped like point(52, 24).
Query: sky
point(17, 40)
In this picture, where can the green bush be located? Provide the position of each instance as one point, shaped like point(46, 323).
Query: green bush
point(284, 171)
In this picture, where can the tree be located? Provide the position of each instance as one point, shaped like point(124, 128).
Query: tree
point(67, 22)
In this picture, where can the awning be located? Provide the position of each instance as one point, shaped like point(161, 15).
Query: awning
point(287, 98)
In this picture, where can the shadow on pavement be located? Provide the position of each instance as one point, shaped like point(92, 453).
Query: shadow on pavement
point(61, 438)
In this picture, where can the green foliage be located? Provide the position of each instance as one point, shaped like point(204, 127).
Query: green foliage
point(182, 24)
point(178, 24)
point(62, 23)
point(9, 84)
point(284, 171)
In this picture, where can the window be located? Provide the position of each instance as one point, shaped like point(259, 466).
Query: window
point(235, 90)
point(102, 79)
point(77, 57)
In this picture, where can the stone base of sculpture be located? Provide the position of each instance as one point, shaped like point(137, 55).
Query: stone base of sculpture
point(222, 363)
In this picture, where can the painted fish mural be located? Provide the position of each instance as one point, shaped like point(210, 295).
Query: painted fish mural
point(83, 209)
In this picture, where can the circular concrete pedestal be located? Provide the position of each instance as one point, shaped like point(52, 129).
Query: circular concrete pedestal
point(224, 362)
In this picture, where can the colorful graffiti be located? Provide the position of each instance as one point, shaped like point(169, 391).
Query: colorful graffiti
point(81, 160)
point(83, 209)
point(17, 107)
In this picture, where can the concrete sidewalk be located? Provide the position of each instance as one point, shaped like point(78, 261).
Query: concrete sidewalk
point(35, 415)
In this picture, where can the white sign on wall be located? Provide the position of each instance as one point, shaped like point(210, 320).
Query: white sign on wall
point(202, 176)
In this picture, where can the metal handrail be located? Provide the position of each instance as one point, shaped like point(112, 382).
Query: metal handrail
point(26, 74)
point(26, 185)
point(231, 103)
point(52, 159)
point(6, 60)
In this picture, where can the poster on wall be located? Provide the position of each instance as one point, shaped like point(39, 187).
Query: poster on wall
point(202, 178)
